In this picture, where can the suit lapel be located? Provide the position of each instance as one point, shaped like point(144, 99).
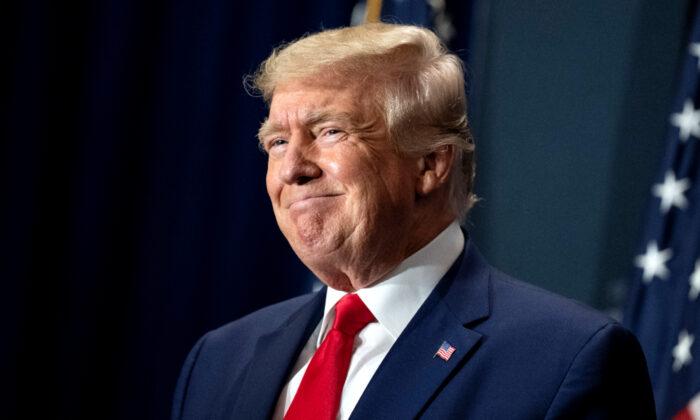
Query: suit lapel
point(275, 354)
point(411, 373)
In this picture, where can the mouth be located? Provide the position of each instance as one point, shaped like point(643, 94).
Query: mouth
point(310, 200)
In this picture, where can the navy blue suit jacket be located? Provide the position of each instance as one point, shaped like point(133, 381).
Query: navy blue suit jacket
point(521, 353)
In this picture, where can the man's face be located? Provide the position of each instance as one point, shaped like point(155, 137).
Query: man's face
point(340, 192)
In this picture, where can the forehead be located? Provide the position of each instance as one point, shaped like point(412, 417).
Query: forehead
point(305, 100)
point(304, 97)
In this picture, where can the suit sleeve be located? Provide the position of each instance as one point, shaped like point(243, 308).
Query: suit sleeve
point(608, 379)
point(183, 382)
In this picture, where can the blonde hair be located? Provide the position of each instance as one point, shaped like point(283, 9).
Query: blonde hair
point(418, 86)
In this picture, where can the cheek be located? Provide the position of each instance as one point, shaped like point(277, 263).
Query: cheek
point(271, 185)
point(334, 167)
point(351, 166)
point(394, 190)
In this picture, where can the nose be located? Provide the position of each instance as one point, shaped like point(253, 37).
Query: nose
point(298, 165)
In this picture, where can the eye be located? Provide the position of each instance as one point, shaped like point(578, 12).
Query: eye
point(276, 143)
point(330, 132)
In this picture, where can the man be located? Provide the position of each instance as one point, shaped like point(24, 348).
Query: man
point(370, 167)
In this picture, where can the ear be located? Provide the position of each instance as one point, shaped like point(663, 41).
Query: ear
point(434, 170)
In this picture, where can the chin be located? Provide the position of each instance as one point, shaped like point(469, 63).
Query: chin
point(312, 251)
point(314, 234)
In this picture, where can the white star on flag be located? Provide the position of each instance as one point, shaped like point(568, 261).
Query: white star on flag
point(681, 352)
point(694, 49)
point(687, 121)
point(653, 262)
point(695, 282)
point(671, 192)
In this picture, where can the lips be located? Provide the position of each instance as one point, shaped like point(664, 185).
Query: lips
point(310, 200)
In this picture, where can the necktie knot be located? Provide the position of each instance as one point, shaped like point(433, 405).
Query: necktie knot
point(351, 315)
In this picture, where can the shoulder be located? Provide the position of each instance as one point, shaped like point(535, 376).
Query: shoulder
point(482, 295)
point(508, 305)
point(534, 307)
point(518, 315)
point(562, 327)
point(258, 323)
point(218, 361)
point(575, 357)
point(597, 367)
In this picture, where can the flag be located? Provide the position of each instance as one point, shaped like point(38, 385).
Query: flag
point(445, 351)
point(664, 305)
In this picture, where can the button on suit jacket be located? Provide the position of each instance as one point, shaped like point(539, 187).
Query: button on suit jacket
point(520, 353)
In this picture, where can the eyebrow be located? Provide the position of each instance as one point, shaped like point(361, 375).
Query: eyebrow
point(268, 128)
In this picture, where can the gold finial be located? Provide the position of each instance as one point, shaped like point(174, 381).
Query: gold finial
point(374, 11)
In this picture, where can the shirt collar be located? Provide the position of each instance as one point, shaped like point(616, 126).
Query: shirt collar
point(395, 300)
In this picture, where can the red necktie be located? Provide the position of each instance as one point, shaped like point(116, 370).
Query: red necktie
point(318, 396)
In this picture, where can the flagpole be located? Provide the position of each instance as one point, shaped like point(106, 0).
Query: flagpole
point(374, 11)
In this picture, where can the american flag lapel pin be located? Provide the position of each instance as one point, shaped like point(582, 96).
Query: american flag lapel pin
point(445, 351)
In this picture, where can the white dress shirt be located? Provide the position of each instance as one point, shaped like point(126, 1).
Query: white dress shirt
point(393, 302)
